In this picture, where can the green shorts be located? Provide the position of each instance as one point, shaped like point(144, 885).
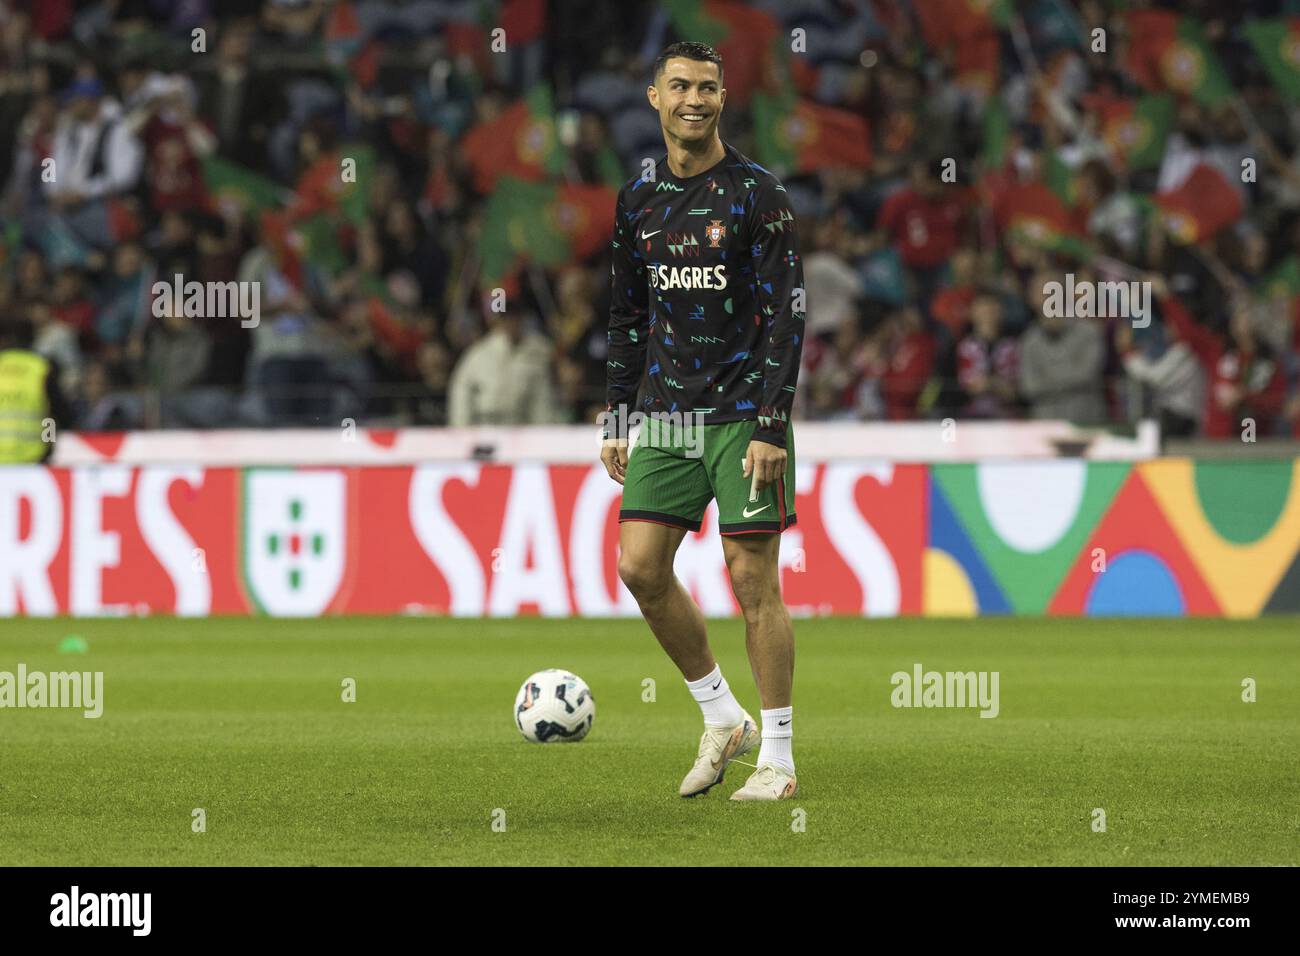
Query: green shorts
point(673, 474)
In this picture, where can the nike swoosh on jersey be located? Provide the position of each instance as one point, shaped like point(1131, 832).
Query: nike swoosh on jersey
point(647, 235)
point(749, 514)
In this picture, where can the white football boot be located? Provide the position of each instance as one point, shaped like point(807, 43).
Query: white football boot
point(718, 747)
point(768, 783)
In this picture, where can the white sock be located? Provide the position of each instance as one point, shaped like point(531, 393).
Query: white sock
point(778, 737)
point(720, 707)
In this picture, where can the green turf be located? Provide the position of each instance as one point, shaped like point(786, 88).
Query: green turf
point(243, 718)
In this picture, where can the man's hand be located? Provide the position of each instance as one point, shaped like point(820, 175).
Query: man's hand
point(613, 455)
point(767, 460)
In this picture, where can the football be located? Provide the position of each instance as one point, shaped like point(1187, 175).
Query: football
point(554, 705)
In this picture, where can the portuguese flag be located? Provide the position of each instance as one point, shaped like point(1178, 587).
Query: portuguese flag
point(746, 38)
point(964, 34)
point(520, 142)
point(1168, 52)
point(544, 224)
point(1204, 204)
point(1035, 213)
point(1135, 131)
point(230, 184)
point(798, 136)
point(1277, 44)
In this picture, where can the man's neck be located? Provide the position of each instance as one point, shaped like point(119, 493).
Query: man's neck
point(685, 161)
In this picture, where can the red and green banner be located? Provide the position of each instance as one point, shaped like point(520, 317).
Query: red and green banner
point(1277, 44)
point(520, 142)
point(1135, 130)
point(1169, 53)
point(1068, 537)
point(1202, 205)
point(230, 184)
point(544, 224)
point(1035, 213)
point(745, 37)
point(797, 136)
point(964, 34)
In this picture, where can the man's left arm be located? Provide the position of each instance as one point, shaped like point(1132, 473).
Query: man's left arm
point(780, 296)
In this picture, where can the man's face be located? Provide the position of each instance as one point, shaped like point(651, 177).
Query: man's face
point(689, 98)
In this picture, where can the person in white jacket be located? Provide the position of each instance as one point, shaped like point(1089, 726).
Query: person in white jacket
point(505, 378)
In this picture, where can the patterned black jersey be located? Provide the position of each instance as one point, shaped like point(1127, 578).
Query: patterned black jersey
point(708, 302)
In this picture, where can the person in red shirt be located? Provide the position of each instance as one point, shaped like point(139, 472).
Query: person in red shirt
point(1246, 381)
point(924, 221)
point(909, 364)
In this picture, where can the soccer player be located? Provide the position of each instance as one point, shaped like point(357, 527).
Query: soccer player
point(707, 319)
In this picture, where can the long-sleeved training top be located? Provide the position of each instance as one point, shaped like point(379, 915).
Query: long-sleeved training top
point(708, 299)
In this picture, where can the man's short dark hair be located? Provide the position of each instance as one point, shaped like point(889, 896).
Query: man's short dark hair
point(688, 50)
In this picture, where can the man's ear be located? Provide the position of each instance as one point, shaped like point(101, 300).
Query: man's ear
point(652, 94)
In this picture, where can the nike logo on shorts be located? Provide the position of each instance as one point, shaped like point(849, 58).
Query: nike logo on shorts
point(749, 514)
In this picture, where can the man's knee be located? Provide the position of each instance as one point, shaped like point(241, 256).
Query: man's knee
point(646, 578)
point(754, 582)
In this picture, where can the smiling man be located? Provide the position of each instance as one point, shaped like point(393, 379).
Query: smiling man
point(707, 322)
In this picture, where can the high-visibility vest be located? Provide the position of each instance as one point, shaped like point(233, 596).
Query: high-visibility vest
point(23, 406)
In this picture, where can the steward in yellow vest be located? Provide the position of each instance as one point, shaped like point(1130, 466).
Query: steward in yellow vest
point(29, 394)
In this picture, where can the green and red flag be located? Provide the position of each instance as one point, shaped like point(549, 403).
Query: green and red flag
point(1204, 204)
point(337, 182)
point(1034, 213)
point(1277, 44)
point(544, 224)
point(1169, 52)
point(329, 203)
point(1135, 130)
point(964, 34)
point(230, 184)
point(746, 38)
point(798, 136)
point(520, 142)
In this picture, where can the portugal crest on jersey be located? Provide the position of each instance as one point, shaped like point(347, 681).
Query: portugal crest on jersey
point(716, 232)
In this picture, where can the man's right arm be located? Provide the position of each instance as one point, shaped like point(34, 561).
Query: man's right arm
point(629, 324)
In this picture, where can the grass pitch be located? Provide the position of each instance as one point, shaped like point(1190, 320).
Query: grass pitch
point(244, 719)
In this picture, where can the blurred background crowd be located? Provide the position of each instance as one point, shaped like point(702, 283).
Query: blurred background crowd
point(380, 168)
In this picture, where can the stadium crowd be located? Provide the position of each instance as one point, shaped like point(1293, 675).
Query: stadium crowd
point(948, 160)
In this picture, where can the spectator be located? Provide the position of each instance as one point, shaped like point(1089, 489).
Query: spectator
point(1170, 371)
point(1245, 380)
point(924, 221)
point(97, 158)
point(1061, 362)
point(988, 362)
point(505, 378)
